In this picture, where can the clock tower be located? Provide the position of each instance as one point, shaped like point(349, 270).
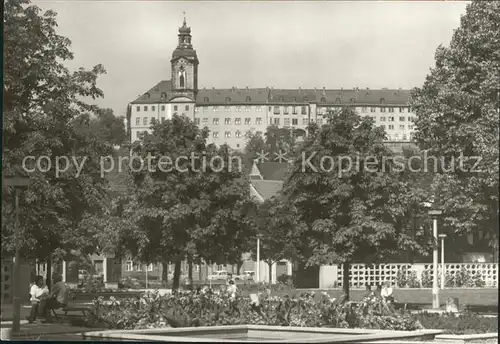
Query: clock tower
point(184, 66)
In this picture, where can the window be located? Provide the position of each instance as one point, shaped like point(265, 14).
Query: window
point(405, 137)
point(401, 118)
point(270, 109)
point(150, 267)
point(319, 121)
point(153, 108)
point(216, 108)
point(227, 120)
point(294, 110)
point(411, 118)
point(238, 108)
point(215, 121)
point(382, 101)
point(227, 134)
point(138, 121)
point(391, 126)
point(175, 107)
point(205, 120)
point(228, 99)
point(402, 109)
point(153, 121)
point(129, 266)
point(286, 122)
point(186, 107)
point(294, 99)
point(197, 121)
point(295, 121)
point(276, 121)
point(396, 137)
point(364, 109)
point(163, 95)
point(276, 110)
point(391, 118)
point(391, 109)
point(382, 109)
point(237, 121)
point(163, 119)
point(227, 108)
point(373, 109)
point(163, 108)
point(402, 126)
point(304, 110)
point(305, 121)
point(145, 121)
point(248, 99)
point(205, 99)
point(247, 108)
point(248, 120)
point(382, 119)
point(338, 100)
point(323, 99)
point(238, 133)
point(138, 108)
point(215, 134)
point(258, 108)
point(138, 267)
point(353, 100)
point(145, 108)
point(285, 110)
point(258, 120)
point(410, 127)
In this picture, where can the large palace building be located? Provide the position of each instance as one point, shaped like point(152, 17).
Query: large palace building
point(231, 113)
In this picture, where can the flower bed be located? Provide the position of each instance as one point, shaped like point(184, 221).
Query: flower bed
point(187, 309)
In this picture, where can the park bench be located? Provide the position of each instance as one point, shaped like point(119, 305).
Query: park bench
point(81, 309)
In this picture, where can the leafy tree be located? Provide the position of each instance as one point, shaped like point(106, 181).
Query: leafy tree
point(106, 127)
point(196, 207)
point(458, 113)
point(41, 99)
point(351, 204)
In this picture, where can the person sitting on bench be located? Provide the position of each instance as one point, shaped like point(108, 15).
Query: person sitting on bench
point(59, 295)
point(38, 295)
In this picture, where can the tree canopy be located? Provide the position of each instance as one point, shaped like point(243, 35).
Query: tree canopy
point(41, 99)
point(458, 121)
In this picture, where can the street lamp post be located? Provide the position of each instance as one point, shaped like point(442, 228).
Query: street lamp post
point(435, 213)
point(443, 274)
point(17, 183)
point(257, 268)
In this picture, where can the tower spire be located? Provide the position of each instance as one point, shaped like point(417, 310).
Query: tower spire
point(184, 23)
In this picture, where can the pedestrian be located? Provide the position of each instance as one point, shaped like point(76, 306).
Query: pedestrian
point(39, 293)
point(386, 293)
point(232, 289)
point(59, 294)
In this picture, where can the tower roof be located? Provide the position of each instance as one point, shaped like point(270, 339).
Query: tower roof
point(184, 29)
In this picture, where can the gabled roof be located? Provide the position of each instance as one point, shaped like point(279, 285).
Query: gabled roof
point(160, 93)
point(266, 188)
point(273, 170)
point(232, 96)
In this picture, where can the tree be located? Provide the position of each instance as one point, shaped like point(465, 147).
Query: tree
point(106, 127)
point(346, 192)
point(42, 98)
point(273, 223)
point(194, 207)
point(457, 114)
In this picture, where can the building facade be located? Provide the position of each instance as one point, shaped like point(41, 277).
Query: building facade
point(231, 113)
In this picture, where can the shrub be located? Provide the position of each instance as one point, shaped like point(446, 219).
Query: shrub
point(469, 323)
point(407, 279)
point(185, 309)
point(286, 279)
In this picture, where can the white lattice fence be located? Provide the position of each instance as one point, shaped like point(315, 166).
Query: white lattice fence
point(360, 274)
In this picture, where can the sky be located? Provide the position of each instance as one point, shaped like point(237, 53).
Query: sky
point(280, 44)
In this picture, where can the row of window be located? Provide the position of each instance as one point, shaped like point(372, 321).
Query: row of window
point(153, 108)
point(393, 118)
point(227, 121)
point(294, 121)
point(277, 109)
point(228, 108)
point(401, 126)
point(338, 100)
